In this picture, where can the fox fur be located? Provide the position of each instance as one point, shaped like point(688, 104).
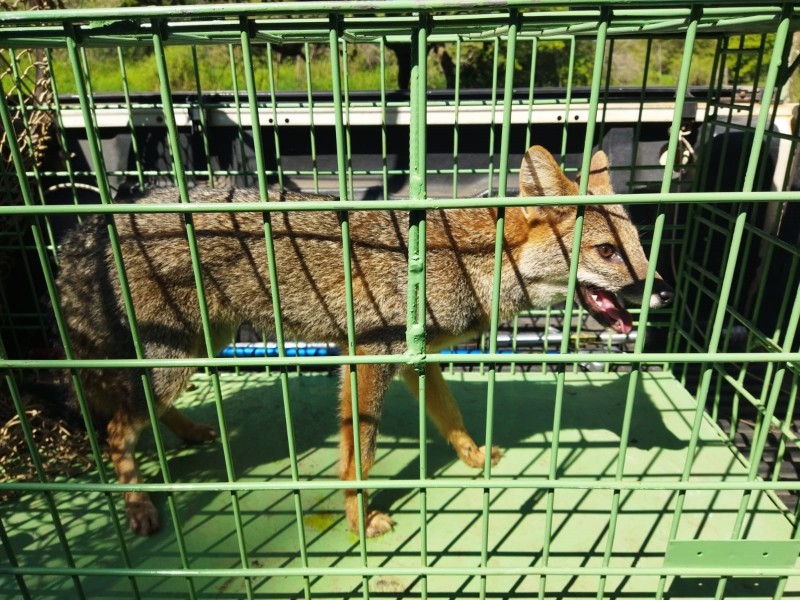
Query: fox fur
point(310, 278)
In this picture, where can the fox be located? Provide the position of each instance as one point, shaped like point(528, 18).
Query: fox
point(460, 249)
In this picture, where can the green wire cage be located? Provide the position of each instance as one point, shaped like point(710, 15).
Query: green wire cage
point(655, 464)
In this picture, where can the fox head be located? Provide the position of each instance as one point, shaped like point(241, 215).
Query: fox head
point(612, 266)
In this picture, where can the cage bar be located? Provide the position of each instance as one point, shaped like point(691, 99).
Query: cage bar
point(653, 463)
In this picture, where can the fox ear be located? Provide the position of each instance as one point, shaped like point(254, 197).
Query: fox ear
point(540, 175)
point(599, 178)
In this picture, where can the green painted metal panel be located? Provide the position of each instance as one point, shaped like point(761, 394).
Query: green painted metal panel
point(750, 554)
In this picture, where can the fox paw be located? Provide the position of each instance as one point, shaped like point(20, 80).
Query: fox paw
point(199, 434)
point(378, 523)
point(476, 457)
point(142, 518)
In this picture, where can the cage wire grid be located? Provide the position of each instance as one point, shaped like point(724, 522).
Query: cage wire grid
point(630, 470)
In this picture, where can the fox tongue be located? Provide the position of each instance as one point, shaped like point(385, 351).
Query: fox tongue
point(618, 318)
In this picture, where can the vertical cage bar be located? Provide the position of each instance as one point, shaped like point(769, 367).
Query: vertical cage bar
point(252, 98)
point(62, 139)
point(786, 430)
point(49, 280)
point(201, 113)
point(762, 173)
point(635, 375)
point(12, 560)
point(311, 128)
point(594, 97)
point(245, 173)
point(5, 118)
point(159, 32)
point(273, 120)
point(336, 82)
point(131, 126)
point(713, 103)
point(637, 128)
point(725, 287)
point(514, 333)
point(508, 93)
point(456, 110)
point(505, 136)
point(91, 124)
point(743, 371)
point(758, 147)
point(384, 161)
point(37, 177)
point(49, 496)
point(568, 100)
point(531, 93)
point(606, 86)
point(493, 113)
point(729, 121)
point(769, 89)
point(416, 315)
point(760, 441)
point(348, 140)
point(77, 59)
point(548, 315)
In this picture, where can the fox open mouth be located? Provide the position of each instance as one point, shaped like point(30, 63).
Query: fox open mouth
point(605, 308)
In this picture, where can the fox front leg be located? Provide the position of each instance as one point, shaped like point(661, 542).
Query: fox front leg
point(443, 410)
point(373, 381)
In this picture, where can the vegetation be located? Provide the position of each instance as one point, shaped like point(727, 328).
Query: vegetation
point(216, 66)
point(287, 68)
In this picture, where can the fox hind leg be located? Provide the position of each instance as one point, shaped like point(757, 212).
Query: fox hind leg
point(123, 433)
point(186, 429)
point(128, 421)
point(167, 385)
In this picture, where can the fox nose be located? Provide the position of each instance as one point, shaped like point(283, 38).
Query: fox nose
point(663, 292)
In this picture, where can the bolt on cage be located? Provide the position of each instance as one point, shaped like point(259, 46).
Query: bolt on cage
point(632, 469)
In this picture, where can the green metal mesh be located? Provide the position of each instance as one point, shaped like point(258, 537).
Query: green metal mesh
point(641, 455)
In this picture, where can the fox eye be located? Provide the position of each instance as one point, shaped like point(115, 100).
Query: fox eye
point(606, 250)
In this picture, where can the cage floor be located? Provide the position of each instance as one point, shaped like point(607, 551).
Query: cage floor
point(588, 449)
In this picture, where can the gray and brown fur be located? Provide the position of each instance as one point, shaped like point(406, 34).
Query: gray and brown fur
point(308, 249)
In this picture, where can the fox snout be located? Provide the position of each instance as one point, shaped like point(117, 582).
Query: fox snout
point(661, 295)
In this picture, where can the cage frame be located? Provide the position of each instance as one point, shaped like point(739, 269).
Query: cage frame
point(346, 23)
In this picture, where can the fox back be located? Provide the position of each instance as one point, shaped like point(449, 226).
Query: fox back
point(310, 269)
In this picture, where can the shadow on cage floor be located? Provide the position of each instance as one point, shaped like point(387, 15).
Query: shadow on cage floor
point(588, 449)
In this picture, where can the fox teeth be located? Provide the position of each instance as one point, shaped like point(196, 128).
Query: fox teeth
point(594, 297)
